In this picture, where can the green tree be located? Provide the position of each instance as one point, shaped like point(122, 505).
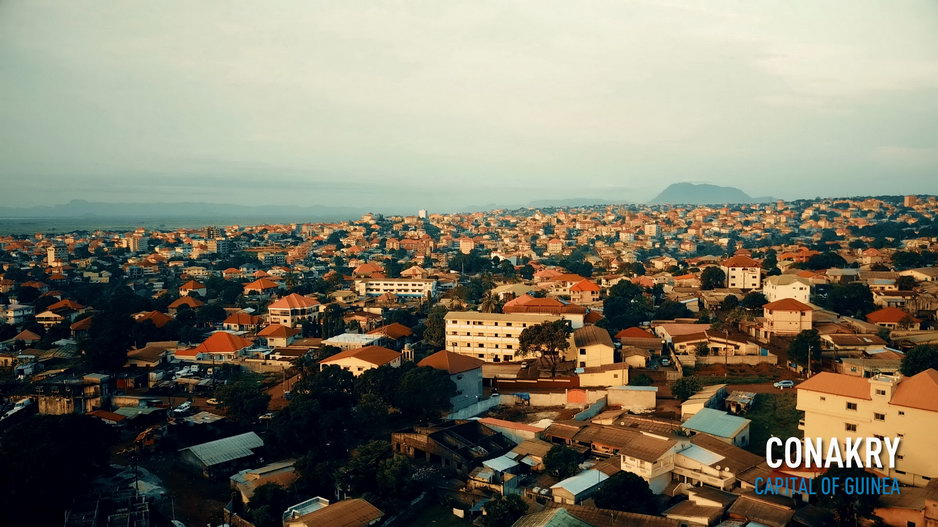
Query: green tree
point(853, 300)
point(712, 278)
point(825, 260)
point(919, 359)
point(210, 314)
point(641, 380)
point(905, 283)
point(548, 340)
point(670, 310)
point(267, 505)
point(434, 332)
point(562, 461)
point(805, 347)
point(425, 392)
point(244, 399)
point(490, 303)
point(503, 511)
point(753, 300)
point(332, 322)
point(685, 387)
point(625, 491)
point(108, 340)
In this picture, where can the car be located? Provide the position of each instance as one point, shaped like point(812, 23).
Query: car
point(781, 385)
point(213, 402)
point(183, 408)
point(288, 395)
point(268, 415)
point(665, 362)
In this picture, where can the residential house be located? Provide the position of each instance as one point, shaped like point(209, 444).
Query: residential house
point(787, 286)
point(278, 336)
point(220, 346)
point(315, 512)
point(591, 347)
point(785, 317)
point(721, 425)
point(292, 310)
point(893, 318)
point(464, 371)
point(223, 456)
point(492, 337)
point(459, 445)
point(742, 272)
point(360, 360)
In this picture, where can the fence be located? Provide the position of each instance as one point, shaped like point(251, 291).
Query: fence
point(482, 406)
point(591, 410)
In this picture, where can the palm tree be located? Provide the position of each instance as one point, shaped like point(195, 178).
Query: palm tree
point(490, 303)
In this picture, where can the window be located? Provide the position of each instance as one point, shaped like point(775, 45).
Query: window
point(481, 345)
point(850, 427)
point(901, 412)
point(879, 417)
point(459, 377)
point(900, 471)
point(851, 406)
point(582, 351)
point(880, 392)
point(823, 398)
point(582, 364)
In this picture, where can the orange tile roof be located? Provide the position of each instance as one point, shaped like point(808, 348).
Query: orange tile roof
point(585, 285)
point(741, 260)
point(376, 355)
point(838, 384)
point(395, 331)
point(918, 391)
point(293, 301)
point(159, 319)
point(888, 315)
point(186, 301)
point(635, 333)
point(261, 284)
point(222, 342)
point(278, 331)
point(191, 285)
point(787, 304)
point(451, 362)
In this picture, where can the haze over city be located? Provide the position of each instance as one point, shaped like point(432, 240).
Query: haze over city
point(459, 105)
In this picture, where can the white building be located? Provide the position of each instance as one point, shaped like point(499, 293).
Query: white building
point(492, 337)
point(401, 287)
point(787, 286)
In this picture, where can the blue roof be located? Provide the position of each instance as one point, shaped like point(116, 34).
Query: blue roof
point(716, 423)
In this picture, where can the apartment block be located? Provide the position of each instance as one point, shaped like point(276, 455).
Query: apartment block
point(492, 337)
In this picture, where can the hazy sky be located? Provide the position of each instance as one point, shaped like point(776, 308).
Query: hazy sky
point(445, 104)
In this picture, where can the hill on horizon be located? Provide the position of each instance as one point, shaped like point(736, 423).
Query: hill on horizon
point(703, 194)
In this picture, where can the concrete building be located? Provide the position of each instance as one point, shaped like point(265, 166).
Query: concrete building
point(742, 272)
point(844, 406)
point(492, 337)
point(360, 360)
point(787, 286)
point(400, 287)
point(292, 310)
point(464, 371)
point(785, 317)
point(591, 347)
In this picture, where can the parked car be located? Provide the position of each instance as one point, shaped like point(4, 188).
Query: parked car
point(665, 361)
point(183, 408)
point(268, 415)
point(781, 385)
point(213, 402)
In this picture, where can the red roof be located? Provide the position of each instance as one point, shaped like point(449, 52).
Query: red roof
point(293, 301)
point(262, 284)
point(395, 331)
point(191, 285)
point(787, 304)
point(451, 362)
point(159, 319)
point(634, 333)
point(278, 331)
point(585, 285)
point(242, 319)
point(186, 301)
point(889, 315)
point(741, 260)
point(221, 342)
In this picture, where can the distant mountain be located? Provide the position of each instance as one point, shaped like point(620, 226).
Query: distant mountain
point(704, 194)
point(88, 209)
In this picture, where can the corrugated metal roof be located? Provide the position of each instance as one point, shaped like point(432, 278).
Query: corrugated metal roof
point(716, 422)
point(226, 449)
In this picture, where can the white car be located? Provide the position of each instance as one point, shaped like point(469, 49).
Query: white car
point(183, 408)
point(781, 385)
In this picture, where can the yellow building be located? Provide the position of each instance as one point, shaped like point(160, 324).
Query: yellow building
point(786, 317)
point(591, 347)
point(843, 406)
point(492, 337)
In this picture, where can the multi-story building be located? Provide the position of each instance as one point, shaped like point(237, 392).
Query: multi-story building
point(785, 317)
point(56, 255)
point(742, 272)
point(401, 287)
point(787, 286)
point(492, 337)
point(845, 406)
point(292, 310)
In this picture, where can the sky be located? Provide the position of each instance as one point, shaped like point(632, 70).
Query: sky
point(449, 105)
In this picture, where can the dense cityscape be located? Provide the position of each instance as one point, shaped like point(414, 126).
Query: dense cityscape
point(578, 366)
